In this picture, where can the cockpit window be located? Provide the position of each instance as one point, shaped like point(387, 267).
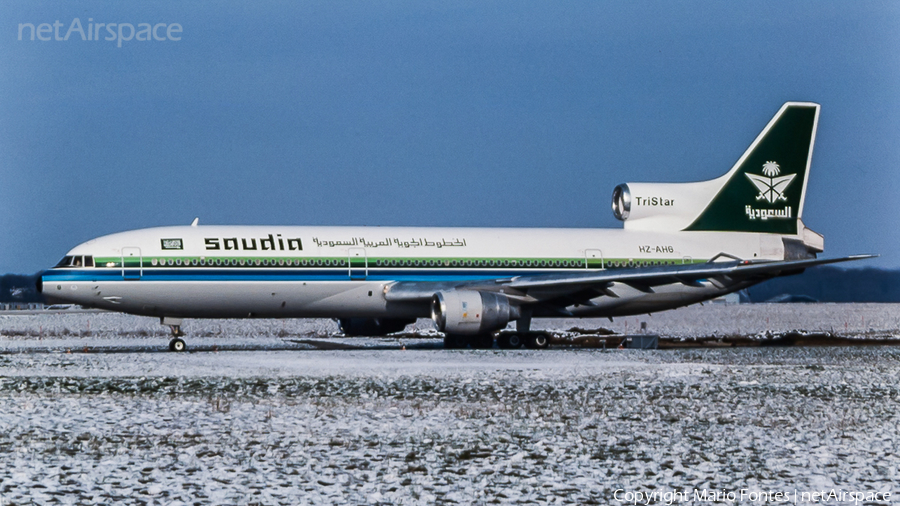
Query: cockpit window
point(76, 261)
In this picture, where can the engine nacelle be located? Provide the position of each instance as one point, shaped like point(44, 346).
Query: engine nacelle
point(357, 327)
point(469, 312)
point(661, 206)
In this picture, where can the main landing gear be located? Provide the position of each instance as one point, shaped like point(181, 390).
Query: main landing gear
point(176, 344)
point(523, 336)
point(506, 339)
point(510, 341)
point(533, 340)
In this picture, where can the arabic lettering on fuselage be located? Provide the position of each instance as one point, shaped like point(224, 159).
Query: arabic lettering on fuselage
point(361, 242)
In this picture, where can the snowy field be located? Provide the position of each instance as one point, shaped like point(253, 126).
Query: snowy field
point(268, 420)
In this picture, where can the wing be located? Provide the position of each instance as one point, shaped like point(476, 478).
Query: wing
point(565, 288)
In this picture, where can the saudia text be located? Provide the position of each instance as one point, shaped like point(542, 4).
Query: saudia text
point(272, 243)
point(765, 214)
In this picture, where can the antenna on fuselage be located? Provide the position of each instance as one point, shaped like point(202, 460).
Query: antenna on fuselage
point(195, 222)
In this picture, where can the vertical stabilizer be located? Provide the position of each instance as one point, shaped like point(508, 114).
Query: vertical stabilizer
point(765, 190)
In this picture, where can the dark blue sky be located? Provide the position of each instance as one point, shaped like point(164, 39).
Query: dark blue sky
point(432, 113)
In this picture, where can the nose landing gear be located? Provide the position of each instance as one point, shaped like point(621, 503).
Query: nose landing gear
point(176, 344)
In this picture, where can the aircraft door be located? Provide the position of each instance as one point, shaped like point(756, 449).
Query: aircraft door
point(132, 264)
point(358, 263)
point(593, 259)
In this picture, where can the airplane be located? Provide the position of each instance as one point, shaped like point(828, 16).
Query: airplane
point(680, 243)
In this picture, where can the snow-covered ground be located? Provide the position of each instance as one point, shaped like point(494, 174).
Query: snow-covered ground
point(278, 424)
point(692, 321)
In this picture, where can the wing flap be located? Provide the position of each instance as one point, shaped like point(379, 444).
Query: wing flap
point(686, 274)
point(531, 289)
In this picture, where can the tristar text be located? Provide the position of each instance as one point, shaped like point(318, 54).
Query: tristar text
point(654, 201)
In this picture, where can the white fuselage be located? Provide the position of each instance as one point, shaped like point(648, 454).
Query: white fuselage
point(339, 272)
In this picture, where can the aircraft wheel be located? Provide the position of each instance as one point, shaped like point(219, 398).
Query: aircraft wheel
point(482, 341)
point(509, 341)
point(537, 341)
point(177, 345)
point(455, 342)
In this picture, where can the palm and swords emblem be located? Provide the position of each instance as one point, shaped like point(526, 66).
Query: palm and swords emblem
point(771, 188)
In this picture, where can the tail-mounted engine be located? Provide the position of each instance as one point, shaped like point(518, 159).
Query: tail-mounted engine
point(470, 312)
point(660, 206)
point(621, 202)
point(762, 193)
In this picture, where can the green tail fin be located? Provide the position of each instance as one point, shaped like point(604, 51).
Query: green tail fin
point(764, 191)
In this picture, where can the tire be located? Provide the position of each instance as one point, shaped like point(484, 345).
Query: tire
point(537, 341)
point(177, 345)
point(509, 341)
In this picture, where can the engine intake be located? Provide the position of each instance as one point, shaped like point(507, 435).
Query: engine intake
point(468, 312)
point(621, 202)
